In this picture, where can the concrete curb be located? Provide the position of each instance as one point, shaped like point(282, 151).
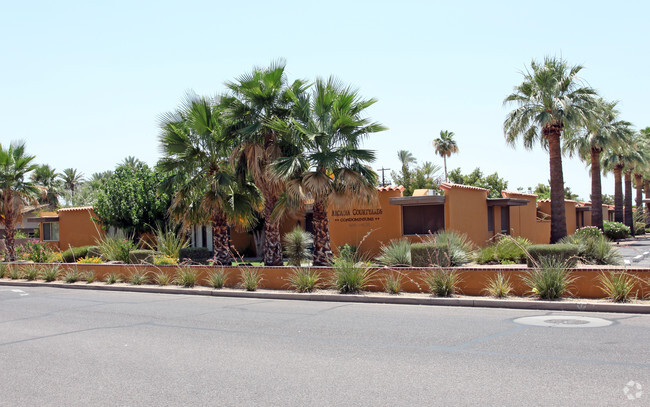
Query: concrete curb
point(369, 298)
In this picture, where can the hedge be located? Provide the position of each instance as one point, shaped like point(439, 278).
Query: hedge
point(141, 256)
point(74, 253)
point(195, 254)
point(560, 251)
point(430, 254)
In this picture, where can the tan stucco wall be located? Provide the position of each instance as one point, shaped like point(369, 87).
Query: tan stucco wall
point(466, 212)
point(77, 228)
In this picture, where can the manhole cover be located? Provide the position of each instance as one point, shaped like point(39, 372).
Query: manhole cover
point(567, 321)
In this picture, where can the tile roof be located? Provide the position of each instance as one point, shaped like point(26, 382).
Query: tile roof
point(517, 193)
point(449, 185)
point(391, 188)
point(79, 208)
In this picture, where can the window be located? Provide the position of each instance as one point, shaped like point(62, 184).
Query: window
point(51, 231)
point(505, 220)
point(490, 218)
point(422, 219)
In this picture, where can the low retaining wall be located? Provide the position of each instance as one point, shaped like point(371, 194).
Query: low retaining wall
point(474, 279)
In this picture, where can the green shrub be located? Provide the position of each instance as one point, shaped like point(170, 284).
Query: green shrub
point(442, 283)
point(639, 228)
point(512, 249)
point(50, 273)
point(33, 250)
point(562, 252)
point(161, 278)
point(393, 282)
point(168, 242)
point(351, 277)
point(141, 256)
point(164, 260)
point(139, 277)
point(594, 249)
point(89, 277)
point(444, 249)
point(218, 278)
point(251, 278)
point(31, 273)
point(615, 230)
point(296, 246)
point(487, 255)
point(94, 251)
point(4, 270)
point(617, 285)
point(74, 253)
point(589, 231)
point(72, 276)
point(396, 254)
point(116, 247)
point(199, 255)
point(499, 286)
point(15, 273)
point(186, 276)
point(551, 280)
point(112, 278)
point(348, 252)
point(304, 279)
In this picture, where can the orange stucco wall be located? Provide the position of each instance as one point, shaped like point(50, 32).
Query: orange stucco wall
point(76, 228)
point(466, 212)
point(524, 221)
point(473, 280)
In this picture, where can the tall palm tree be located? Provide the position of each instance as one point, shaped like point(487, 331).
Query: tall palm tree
point(445, 146)
point(71, 179)
point(46, 177)
point(196, 149)
point(551, 98)
point(332, 167)
point(131, 161)
point(15, 190)
point(257, 99)
point(603, 131)
point(405, 158)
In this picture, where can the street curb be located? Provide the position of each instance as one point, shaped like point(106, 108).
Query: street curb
point(583, 306)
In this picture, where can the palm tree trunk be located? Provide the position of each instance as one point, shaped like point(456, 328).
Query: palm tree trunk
point(646, 187)
point(221, 240)
point(629, 221)
point(638, 181)
point(272, 242)
point(322, 250)
point(596, 191)
point(558, 218)
point(444, 160)
point(618, 194)
point(10, 223)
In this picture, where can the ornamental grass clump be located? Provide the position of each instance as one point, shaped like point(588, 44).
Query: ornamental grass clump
point(15, 273)
point(218, 278)
point(296, 245)
point(395, 254)
point(161, 278)
point(393, 282)
point(351, 277)
point(138, 277)
point(593, 247)
point(186, 276)
point(499, 286)
point(443, 283)
point(169, 243)
point(304, 279)
point(31, 273)
point(250, 278)
point(551, 280)
point(72, 276)
point(112, 278)
point(50, 273)
point(89, 277)
point(617, 285)
point(442, 249)
point(116, 247)
point(4, 270)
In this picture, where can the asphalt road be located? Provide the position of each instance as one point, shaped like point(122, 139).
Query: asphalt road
point(88, 348)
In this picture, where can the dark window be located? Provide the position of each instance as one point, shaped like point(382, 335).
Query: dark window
point(204, 237)
point(505, 220)
point(51, 231)
point(309, 222)
point(490, 218)
point(420, 220)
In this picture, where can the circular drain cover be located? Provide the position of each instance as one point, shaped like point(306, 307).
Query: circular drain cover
point(564, 321)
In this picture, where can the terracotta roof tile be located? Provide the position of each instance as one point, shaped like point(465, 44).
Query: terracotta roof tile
point(517, 193)
point(79, 208)
point(449, 185)
point(391, 188)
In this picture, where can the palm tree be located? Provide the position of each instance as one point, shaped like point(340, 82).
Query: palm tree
point(258, 98)
point(603, 131)
point(71, 179)
point(332, 167)
point(15, 191)
point(445, 146)
point(196, 147)
point(46, 177)
point(131, 161)
point(551, 98)
point(406, 158)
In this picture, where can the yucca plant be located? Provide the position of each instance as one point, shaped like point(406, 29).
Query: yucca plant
point(351, 277)
point(218, 278)
point(168, 242)
point(499, 286)
point(443, 283)
point(304, 279)
point(393, 282)
point(296, 246)
point(161, 278)
point(138, 277)
point(116, 247)
point(251, 278)
point(186, 276)
point(50, 273)
point(551, 280)
point(395, 254)
point(30, 273)
point(617, 285)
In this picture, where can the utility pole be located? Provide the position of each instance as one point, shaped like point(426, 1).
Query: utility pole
point(382, 169)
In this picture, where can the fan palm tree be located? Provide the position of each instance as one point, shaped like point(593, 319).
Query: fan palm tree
point(46, 177)
point(196, 148)
point(71, 179)
point(551, 98)
point(405, 158)
point(604, 131)
point(257, 99)
point(15, 190)
point(332, 168)
point(445, 146)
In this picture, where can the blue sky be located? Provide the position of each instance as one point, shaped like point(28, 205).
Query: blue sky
point(83, 83)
